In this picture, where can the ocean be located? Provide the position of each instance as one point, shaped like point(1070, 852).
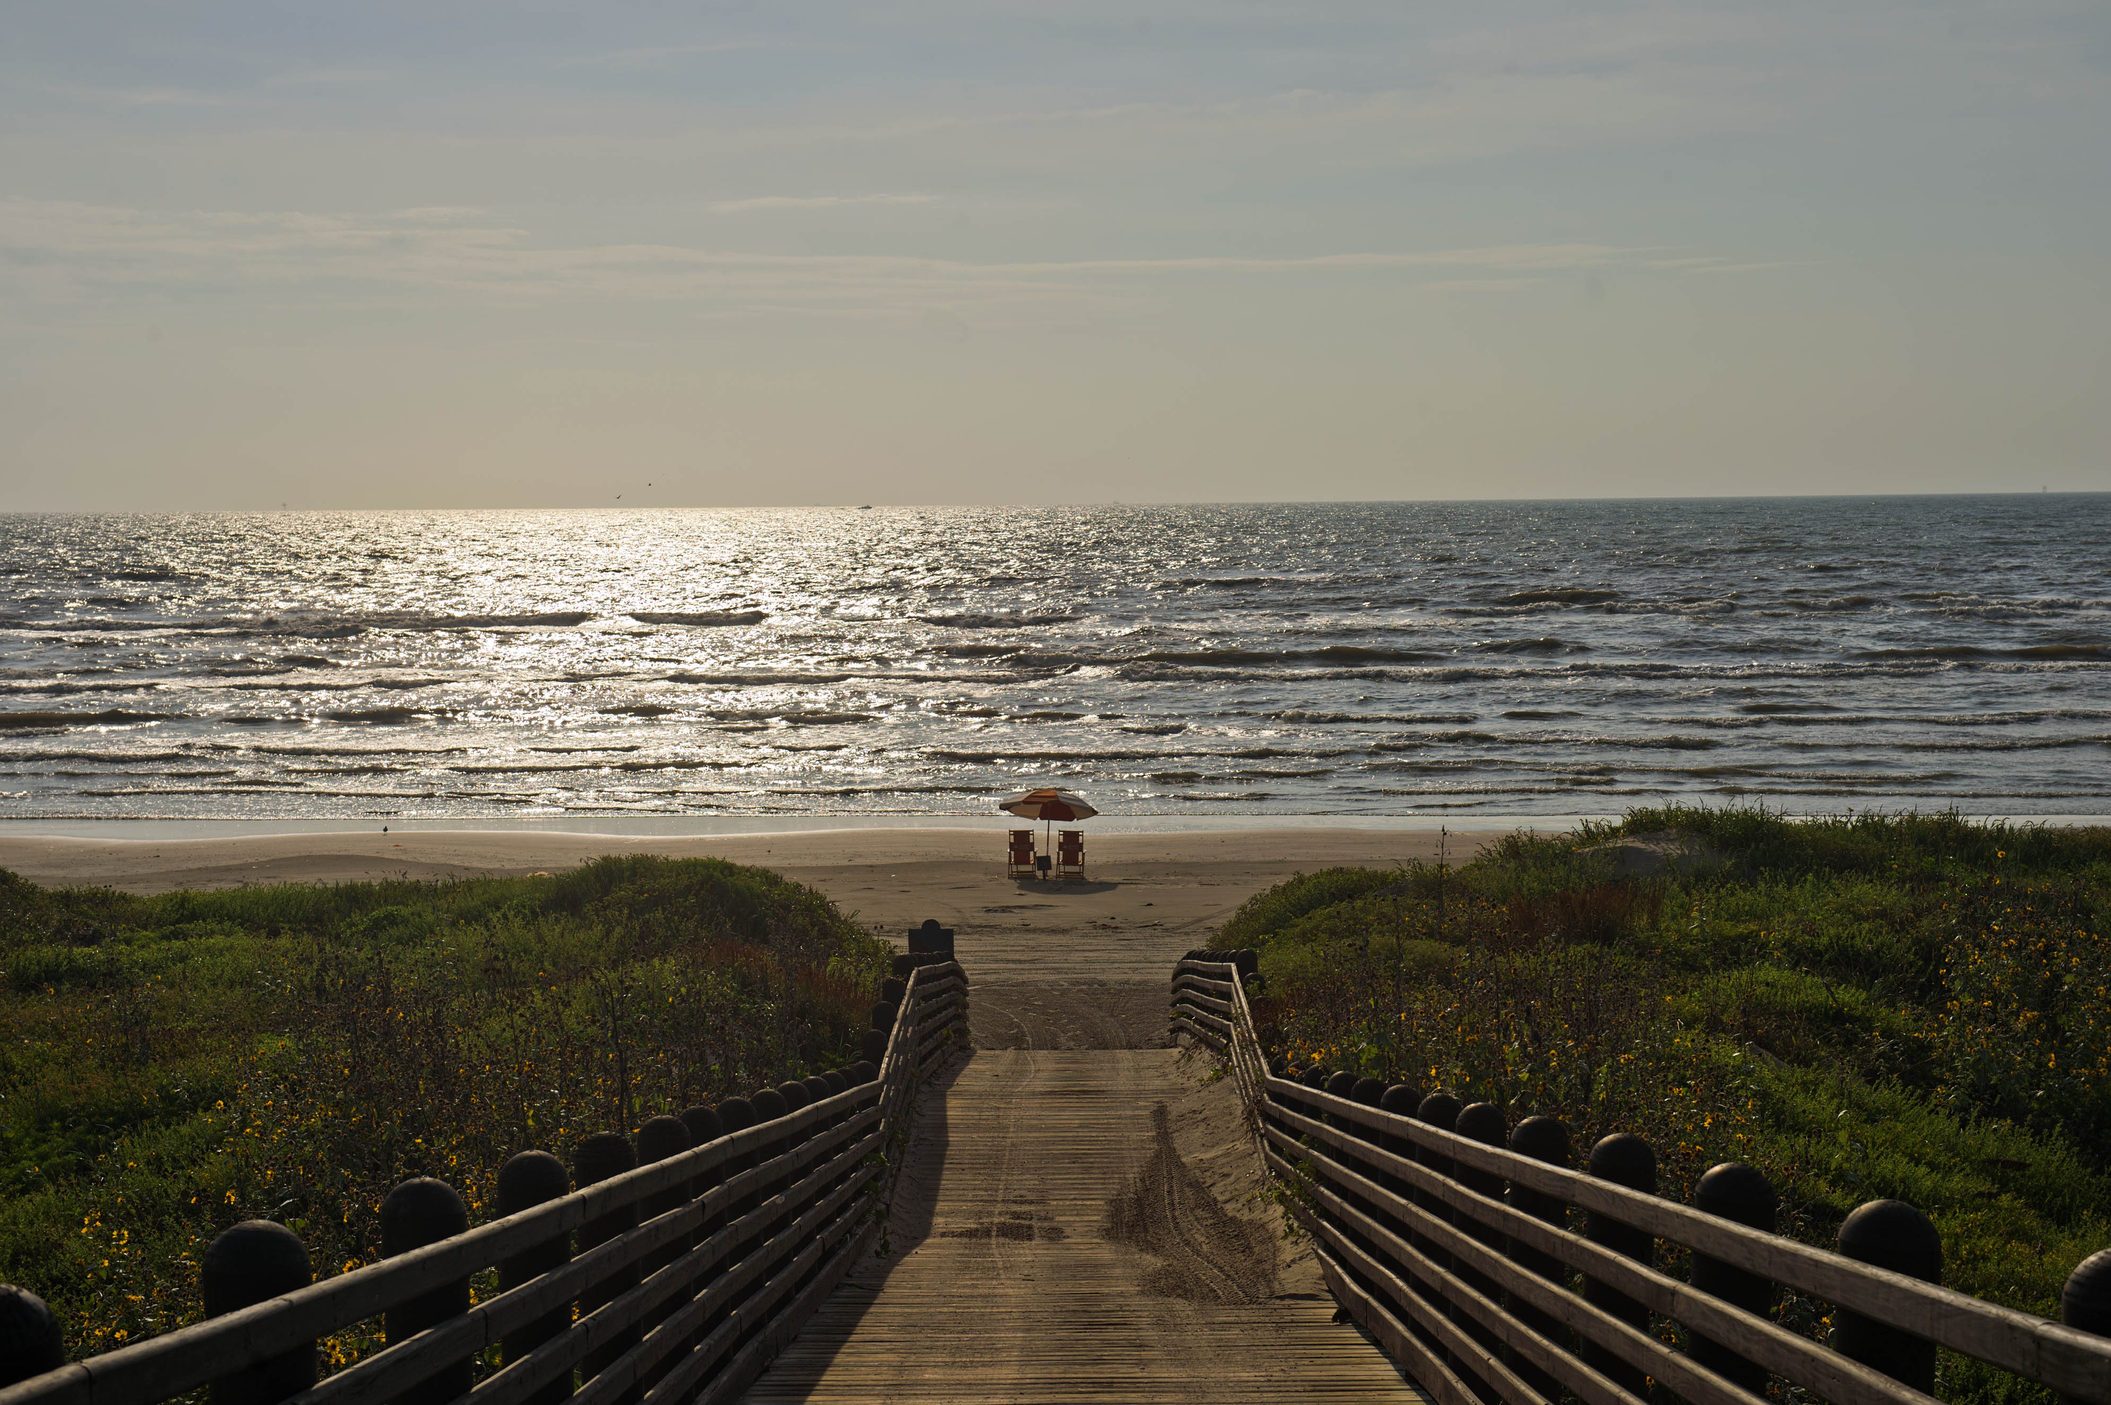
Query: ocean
point(1359, 660)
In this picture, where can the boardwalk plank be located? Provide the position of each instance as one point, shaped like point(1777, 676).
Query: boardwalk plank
point(1009, 1280)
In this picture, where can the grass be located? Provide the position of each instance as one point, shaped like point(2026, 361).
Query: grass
point(1909, 1006)
point(176, 1063)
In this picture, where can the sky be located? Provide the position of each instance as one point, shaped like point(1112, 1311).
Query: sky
point(462, 253)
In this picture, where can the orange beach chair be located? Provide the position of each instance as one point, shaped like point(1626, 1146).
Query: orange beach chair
point(1070, 853)
point(1019, 859)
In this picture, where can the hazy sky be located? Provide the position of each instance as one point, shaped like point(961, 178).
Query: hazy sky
point(383, 254)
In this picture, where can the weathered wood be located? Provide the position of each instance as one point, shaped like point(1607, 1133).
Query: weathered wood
point(2032, 1347)
point(1015, 1289)
point(1781, 1351)
point(180, 1361)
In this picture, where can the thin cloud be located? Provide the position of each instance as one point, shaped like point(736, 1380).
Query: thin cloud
point(445, 248)
point(659, 55)
point(750, 203)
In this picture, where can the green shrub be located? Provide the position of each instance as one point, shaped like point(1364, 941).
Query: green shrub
point(183, 1061)
point(1904, 1005)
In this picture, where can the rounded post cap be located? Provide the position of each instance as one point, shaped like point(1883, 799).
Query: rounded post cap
point(1892, 1234)
point(768, 1104)
point(794, 1094)
point(816, 1087)
point(736, 1114)
point(892, 990)
point(1342, 1084)
point(1625, 1159)
point(30, 1341)
point(1542, 1139)
point(249, 1262)
point(703, 1125)
point(2085, 1303)
point(420, 1211)
point(863, 1071)
point(1314, 1077)
point(660, 1138)
point(837, 1080)
point(873, 1045)
point(530, 1178)
point(1368, 1091)
point(883, 1014)
point(600, 1156)
point(1484, 1122)
point(1403, 1098)
point(1736, 1191)
point(1440, 1109)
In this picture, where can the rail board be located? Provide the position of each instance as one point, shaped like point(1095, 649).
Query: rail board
point(1014, 1278)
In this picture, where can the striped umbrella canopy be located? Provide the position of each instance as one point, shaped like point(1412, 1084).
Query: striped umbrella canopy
point(1048, 804)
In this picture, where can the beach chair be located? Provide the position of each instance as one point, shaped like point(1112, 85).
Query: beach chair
point(1019, 859)
point(1070, 853)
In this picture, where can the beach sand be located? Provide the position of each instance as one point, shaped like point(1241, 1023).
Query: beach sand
point(1056, 964)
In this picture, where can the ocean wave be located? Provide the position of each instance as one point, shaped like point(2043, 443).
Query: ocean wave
point(2054, 651)
point(380, 716)
point(1561, 595)
point(1544, 644)
point(998, 619)
point(1334, 654)
point(700, 618)
point(57, 721)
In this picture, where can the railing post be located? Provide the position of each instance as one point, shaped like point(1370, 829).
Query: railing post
point(599, 1157)
point(418, 1212)
point(769, 1106)
point(528, 1179)
point(658, 1139)
point(1441, 1111)
point(1737, 1192)
point(1401, 1100)
point(1483, 1122)
point(30, 1343)
point(1342, 1085)
point(1890, 1234)
point(247, 1263)
point(1543, 1139)
point(2085, 1301)
point(704, 1127)
point(1625, 1160)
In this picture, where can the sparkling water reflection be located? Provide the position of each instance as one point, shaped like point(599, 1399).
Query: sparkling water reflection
point(1359, 659)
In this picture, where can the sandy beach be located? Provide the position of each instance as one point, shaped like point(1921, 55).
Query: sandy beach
point(1056, 963)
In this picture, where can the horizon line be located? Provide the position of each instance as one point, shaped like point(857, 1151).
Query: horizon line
point(288, 510)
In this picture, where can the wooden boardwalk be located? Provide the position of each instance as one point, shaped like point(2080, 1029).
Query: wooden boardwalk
point(1081, 1225)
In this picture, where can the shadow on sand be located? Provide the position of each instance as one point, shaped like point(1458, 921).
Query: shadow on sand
point(1054, 887)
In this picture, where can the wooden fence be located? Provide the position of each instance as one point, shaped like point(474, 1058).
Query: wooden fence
point(674, 1272)
point(1489, 1269)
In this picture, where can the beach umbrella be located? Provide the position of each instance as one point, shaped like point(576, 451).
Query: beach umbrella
point(1048, 804)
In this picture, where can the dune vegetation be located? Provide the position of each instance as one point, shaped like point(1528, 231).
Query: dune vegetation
point(176, 1063)
point(1909, 1006)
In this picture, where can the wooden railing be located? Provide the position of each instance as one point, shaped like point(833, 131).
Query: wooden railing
point(673, 1280)
point(1488, 1269)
